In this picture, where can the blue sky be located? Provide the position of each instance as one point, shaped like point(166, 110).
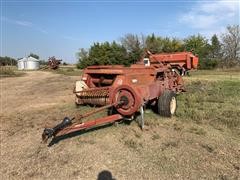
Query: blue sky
point(60, 28)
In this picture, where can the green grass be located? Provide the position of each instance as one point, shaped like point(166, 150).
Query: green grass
point(213, 101)
point(215, 75)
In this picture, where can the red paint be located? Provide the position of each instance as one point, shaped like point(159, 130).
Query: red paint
point(128, 88)
point(183, 61)
point(89, 124)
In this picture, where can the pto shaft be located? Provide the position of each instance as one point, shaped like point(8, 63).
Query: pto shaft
point(49, 132)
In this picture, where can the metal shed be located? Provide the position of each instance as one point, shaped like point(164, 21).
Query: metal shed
point(28, 63)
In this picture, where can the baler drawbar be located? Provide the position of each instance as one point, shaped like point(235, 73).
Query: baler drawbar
point(69, 125)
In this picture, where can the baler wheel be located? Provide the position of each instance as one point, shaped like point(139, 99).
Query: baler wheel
point(167, 104)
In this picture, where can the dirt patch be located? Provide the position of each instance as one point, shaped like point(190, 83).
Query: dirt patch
point(166, 149)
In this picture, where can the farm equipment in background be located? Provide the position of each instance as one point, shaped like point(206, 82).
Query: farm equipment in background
point(126, 92)
point(181, 62)
point(53, 63)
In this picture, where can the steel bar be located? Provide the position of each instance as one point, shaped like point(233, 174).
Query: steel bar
point(89, 124)
point(78, 117)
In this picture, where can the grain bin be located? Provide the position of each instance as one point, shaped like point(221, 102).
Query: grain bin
point(28, 63)
point(21, 63)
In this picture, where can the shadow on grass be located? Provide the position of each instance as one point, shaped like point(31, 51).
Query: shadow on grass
point(105, 175)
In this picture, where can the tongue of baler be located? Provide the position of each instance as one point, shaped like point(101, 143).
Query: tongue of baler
point(69, 125)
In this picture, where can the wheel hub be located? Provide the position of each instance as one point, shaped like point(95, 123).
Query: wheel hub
point(126, 99)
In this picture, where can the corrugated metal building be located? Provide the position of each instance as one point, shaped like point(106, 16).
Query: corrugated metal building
point(28, 63)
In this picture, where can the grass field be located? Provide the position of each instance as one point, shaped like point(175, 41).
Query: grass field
point(212, 98)
point(201, 142)
point(69, 71)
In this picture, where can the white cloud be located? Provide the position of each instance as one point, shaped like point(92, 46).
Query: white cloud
point(199, 21)
point(23, 23)
point(211, 16)
point(17, 22)
point(221, 6)
point(29, 24)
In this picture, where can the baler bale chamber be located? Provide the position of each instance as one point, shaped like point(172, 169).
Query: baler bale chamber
point(137, 85)
point(124, 92)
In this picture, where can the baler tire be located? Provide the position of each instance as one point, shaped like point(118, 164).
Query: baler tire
point(164, 104)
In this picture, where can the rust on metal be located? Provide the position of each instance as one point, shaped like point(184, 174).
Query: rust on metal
point(181, 61)
point(53, 63)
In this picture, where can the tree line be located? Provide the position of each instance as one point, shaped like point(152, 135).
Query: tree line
point(9, 61)
point(223, 51)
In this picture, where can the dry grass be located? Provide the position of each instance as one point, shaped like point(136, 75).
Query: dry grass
point(68, 70)
point(9, 71)
point(201, 142)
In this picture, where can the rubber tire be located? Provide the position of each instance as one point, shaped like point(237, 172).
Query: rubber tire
point(163, 105)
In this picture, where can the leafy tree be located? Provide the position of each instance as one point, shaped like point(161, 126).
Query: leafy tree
point(33, 55)
point(197, 44)
point(172, 45)
point(215, 47)
point(154, 44)
point(231, 45)
point(7, 61)
point(134, 47)
point(82, 56)
point(103, 54)
point(213, 55)
point(200, 47)
point(160, 44)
